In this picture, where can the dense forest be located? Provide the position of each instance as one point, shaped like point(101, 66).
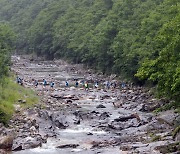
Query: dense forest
point(7, 37)
point(136, 39)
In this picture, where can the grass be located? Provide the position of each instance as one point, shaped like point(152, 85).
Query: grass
point(175, 132)
point(170, 148)
point(10, 93)
point(155, 137)
point(172, 105)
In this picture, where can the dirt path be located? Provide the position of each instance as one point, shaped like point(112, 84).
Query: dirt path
point(73, 120)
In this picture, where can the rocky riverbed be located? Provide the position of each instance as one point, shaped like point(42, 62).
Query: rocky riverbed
point(74, 120)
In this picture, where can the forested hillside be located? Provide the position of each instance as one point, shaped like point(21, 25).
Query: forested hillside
point(136, 39)
point(6, 44)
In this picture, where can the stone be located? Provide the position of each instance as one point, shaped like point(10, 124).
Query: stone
point(68, 97)
point(69, 101)
point(123, 119)
point(67, 146)
point(89, 133)
point(27, 143)
point(104, 115)
point(168, 117)
point(100, 106)
point(105, 97)
point(60, 124)
point(177, 138)
point(6, 142)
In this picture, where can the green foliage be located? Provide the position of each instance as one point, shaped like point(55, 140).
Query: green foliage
point(165, 68)
point(6, 43)
point(138, 39)
point(169, 106)
point(176, 131)
point(156, 138)
point(12, 92)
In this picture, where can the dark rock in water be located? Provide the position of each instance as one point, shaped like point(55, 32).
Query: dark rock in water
point(75, 98)
point(77, 122)
point(100, 106)
point(105, 97)
point(60, 124)
point(17, 148)
point(31, 59)
point(57, 96)
point(62, 121)
point(117, 104)
point(105, 143)
point(115, 126)
point(69, 101)
point(143, 108)
point(77, 113)
point(123, 119)
point(94, 112)
point(104, 115)
point(68, 146)
point(89, 133)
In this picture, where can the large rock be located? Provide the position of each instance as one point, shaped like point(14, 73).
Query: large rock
point(27, 143)
point(100, 106)
point(104, 115)
point(68, 146)
point(6, 142)
point(60, 124)
point(168, 117)
point(61, 121)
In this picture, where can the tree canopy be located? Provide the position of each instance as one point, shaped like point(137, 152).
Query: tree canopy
point(6, 43)
point(136, 39)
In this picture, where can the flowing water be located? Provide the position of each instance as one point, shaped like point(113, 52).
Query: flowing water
point(92, 127)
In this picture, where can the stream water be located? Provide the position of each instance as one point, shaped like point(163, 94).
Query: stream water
point(97, 130)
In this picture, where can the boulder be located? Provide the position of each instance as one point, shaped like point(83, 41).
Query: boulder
point(104, 115)
point(126, 118)
point(68, 146)
point(68, 97)
point(27, 143)
point(60, 124)
point(168, 117)
point(6, 142)
point(105, 97)
point(100, 106)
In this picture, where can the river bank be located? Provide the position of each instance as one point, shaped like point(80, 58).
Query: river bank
point(74, 120)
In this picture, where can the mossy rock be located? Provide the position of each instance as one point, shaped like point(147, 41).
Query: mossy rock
point(176, 132)
point(174, 147)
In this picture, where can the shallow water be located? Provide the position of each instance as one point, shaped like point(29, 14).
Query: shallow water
point(87, 131)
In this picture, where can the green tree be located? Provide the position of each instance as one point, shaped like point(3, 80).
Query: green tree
point(6, 42)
